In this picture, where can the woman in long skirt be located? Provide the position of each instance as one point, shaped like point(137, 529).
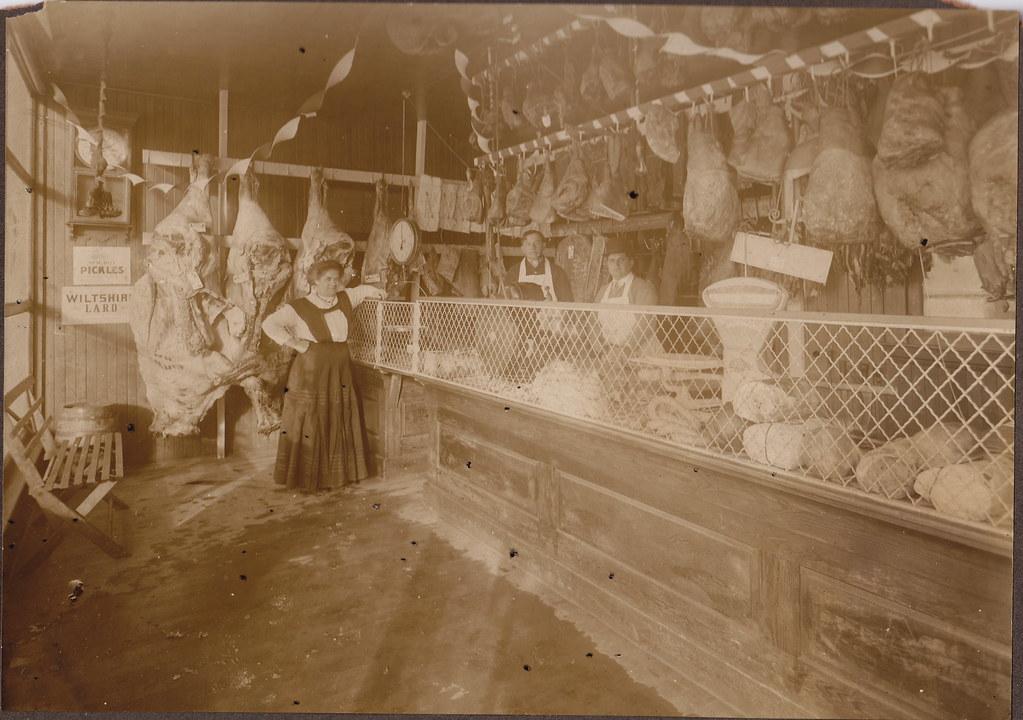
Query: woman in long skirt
point(321, 436)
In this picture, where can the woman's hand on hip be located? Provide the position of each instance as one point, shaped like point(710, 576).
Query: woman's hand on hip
point(301, 345)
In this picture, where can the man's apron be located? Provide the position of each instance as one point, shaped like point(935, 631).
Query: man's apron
point(550, 320)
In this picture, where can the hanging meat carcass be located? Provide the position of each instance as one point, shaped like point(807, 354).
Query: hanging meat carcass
point(993, 174)
point(511, 108)
point(193, 212)
point(646, 67)
point(520, 198)
point(839, 206)
point(259, 270)
point(615, 79)
point(539, 106)
point(678, 169)
point(914, 123)
point(179, 318)
point(591, 87)
point(374, 263)
point(924, 196)
point(660, 128)
point(761, 139)
point(470, 201)
point(993, 186)
point(542, 211)
point(710, 205)
point(574, 187)
point(606, 199)
point(321, 238)
point(727, 27)
point(496, 210)
point(780, 19)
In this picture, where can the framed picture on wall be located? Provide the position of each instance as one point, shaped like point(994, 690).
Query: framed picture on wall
point(102, 201)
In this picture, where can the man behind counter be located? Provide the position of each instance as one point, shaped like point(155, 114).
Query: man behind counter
point(633, 334)
point(537, 270)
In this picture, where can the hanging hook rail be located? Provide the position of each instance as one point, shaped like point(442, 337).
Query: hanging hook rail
point(770, 67)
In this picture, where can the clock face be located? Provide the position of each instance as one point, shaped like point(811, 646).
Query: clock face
point(402, 241)
point(115, 147)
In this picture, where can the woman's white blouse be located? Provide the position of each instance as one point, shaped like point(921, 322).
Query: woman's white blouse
point(285, 327)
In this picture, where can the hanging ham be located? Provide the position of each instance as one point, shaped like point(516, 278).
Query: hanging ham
point(542, 211)
point(761, 139)
point(710, 205)
point(574, 187)
point(924, 196)
point(520, 197)
point(470, 200)
point(993, 184)
point(839, 205)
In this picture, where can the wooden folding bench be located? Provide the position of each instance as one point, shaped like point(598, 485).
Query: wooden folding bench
point(89, 465)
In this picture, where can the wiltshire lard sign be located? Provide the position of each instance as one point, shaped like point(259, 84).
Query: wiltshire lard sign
point(95, 304)
point(103, 265)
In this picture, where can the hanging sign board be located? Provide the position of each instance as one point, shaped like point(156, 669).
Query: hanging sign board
point(103, 265)
point(766, 253)
point(94, 304)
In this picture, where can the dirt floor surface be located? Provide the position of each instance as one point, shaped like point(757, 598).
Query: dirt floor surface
point(240, 596)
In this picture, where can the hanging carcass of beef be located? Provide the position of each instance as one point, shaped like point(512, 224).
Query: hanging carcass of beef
point(179, 317)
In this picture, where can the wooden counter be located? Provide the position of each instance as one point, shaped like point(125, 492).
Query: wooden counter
point(755, 598)
point(396, 417)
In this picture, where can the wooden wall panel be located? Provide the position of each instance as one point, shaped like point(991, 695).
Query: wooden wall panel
point(504, 474)
point(742, 584)
point(893, 648)
point(710, 568)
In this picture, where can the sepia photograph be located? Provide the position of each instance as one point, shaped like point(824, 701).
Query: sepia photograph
point(509, 359)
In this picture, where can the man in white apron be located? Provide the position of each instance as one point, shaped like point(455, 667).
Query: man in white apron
point(535, 269)
point(630, 333)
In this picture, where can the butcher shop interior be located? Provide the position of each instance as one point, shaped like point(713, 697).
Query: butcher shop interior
point(506, 359)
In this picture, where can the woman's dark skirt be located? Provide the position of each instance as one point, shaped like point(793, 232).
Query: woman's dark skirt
point(321, 438)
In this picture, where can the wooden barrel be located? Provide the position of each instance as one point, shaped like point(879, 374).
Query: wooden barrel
point(79, 419)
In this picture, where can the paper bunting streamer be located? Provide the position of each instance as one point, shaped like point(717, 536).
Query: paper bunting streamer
point(132, 177)
point(83, 134)
point(163, 187)
point(624, 26)
point(461, 64)
point(681, 44)
point(344, 66)
point(312, 105)
point(469, 88)
point(242, 166)
point(60, 99)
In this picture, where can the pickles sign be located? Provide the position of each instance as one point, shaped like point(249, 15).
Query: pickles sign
point(102, 265)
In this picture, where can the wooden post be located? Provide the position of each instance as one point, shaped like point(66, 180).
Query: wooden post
point(674, 263)
point(420, 147)
point(222, 230)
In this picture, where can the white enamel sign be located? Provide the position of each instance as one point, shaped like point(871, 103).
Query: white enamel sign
point(94, 304)
point(102, 265)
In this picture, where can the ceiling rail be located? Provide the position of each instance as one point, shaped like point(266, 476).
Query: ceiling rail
point(771, 66)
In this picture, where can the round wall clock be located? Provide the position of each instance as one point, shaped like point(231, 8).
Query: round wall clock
point(116, 148)
point(403, 240)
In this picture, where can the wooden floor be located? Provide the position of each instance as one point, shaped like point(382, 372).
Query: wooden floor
point(240, 596)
